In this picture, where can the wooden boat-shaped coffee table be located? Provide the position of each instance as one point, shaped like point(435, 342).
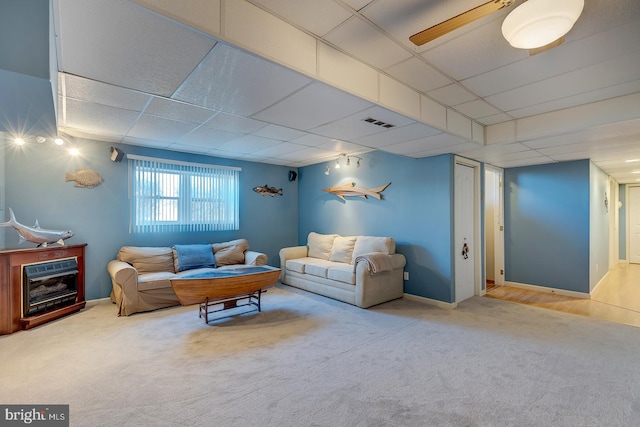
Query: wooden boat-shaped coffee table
point(230, 288)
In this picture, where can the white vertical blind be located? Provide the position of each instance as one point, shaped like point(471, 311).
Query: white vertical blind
point(169, 196)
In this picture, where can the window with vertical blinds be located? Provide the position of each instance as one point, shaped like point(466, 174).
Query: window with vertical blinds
point(168, 196)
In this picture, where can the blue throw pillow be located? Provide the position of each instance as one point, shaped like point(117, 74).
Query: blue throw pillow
point(189, 257)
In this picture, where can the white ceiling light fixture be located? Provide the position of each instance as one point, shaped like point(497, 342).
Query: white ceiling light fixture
point(537, 23)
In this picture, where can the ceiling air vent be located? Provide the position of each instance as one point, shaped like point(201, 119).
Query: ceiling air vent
point(378, 123)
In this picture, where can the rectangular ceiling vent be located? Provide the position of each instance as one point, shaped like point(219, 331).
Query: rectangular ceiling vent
point(378, 123)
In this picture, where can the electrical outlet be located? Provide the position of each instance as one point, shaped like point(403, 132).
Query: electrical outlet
point(406, 275)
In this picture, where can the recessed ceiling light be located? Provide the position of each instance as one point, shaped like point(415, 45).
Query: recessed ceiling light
point(632, 160)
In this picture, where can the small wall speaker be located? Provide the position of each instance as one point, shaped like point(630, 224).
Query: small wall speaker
point(116, 154)
point(292, 175)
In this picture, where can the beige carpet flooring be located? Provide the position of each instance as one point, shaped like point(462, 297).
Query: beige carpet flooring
point(311, 361)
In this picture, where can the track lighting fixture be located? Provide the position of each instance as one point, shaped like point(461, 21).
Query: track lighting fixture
point(346, 163)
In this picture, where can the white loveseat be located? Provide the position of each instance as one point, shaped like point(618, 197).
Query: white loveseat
point(359, 270)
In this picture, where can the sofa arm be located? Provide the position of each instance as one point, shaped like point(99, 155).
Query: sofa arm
point(373, 289)
point(292, 252)
point(124, 279)
point(255, 258)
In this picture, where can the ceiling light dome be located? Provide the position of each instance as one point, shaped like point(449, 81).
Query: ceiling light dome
point(536, 23)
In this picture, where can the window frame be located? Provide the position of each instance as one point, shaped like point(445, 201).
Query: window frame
point(221, 185)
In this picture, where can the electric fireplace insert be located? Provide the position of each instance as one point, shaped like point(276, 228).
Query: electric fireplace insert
point(49, 285)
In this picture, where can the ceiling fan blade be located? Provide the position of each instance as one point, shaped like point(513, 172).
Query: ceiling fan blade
point(449, 25)
point(541, 49)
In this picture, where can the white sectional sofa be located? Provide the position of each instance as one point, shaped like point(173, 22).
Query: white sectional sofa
point(359, 270)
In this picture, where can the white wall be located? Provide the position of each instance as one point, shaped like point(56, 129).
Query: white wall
point(490, 206)
point(599, 225)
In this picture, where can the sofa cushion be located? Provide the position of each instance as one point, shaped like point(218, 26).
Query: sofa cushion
point(298, 264)
point(320, 268)
point(320, 245)
point(231, 252)
point(188, 257)
point(342, 250)
point(157, 280)
point(147, 259)
point(344, 273)
point(369, 244)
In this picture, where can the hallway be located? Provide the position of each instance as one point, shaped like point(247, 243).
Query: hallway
point(616, 299)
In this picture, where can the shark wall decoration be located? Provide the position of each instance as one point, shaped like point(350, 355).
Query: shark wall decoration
point(35, 234)
point(350, 190)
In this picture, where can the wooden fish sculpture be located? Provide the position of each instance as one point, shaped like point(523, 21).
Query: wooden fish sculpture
point(85, 178)
point(350, 190)
point(36, 234)
point(265, 190)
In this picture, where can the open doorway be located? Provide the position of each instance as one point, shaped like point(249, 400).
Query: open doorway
point(494, 226)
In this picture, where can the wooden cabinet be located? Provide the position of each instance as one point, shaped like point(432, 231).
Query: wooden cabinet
point(11, 262)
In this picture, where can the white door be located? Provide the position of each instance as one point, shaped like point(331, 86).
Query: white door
point(464, 232)
point(634, 225)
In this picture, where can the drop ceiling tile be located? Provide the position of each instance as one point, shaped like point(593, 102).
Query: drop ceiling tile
point(460, 148)
point(83, 89)
point(473, 49)
point(156, 128)
point(194, 149)
point(233, 123)
point(338, 146)
point(562, 59)
point(358, 4)
point(305, 13)
point(582, 98)
point(176, 110)
point(309, 154)
point(476, 109)
point(236, 82)
point(280, 133)
point(493, 150)
point(280, 149)
point(312, 106)
point(311, 140)
point(201, 14)
point(616, 71)
point(366, 42)
point(205, 136)
point(506, 157)
point(145, 142)
point(120, 43)
point(249, 144)
point(397, 135)
point(97, 118)
point(419, 75)
point(453, 94)
point(441, 140)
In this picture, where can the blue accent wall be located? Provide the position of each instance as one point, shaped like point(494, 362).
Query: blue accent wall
point(36, 189)
point(417, 211)
point(547, 225)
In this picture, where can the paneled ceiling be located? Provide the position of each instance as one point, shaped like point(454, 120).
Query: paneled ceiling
point(291, 82)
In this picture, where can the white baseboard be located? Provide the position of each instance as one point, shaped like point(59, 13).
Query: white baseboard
point(441, 304)
point(564, 292)
point(601, 280)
